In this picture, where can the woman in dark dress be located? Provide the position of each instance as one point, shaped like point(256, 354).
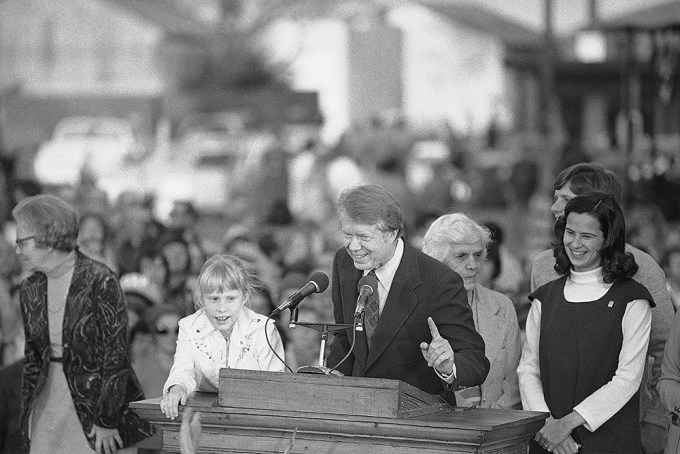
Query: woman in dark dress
point(587, 336)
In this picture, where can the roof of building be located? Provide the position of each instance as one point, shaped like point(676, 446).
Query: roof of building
point(173, 20)
point(510, 32)
point(166, 16)
point(665, 15)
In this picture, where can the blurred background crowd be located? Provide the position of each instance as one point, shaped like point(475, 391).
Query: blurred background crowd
point(184, 128)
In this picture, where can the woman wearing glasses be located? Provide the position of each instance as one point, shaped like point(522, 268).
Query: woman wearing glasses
point(77, 378)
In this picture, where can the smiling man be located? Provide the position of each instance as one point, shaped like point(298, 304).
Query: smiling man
point(579, 179)
point(420, 328)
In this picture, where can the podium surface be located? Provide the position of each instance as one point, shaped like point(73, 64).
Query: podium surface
point(315, 423)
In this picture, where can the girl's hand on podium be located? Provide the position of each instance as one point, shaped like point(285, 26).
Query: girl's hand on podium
point(170, 402)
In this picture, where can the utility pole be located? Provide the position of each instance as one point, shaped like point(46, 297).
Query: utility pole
point(549, 123)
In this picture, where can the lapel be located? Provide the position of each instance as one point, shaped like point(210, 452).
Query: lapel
point(401, 301)
point(35, 297)
point(490, 324)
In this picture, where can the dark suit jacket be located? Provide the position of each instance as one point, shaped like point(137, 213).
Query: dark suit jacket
point(95, 358)
point(422, 287)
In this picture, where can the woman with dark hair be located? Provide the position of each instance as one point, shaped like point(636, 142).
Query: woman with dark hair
point(77, 379)
point(587, 336)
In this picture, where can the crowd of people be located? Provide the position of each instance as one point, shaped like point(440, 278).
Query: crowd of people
point(104, 307)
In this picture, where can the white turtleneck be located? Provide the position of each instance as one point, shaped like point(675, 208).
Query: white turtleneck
point(601, 405)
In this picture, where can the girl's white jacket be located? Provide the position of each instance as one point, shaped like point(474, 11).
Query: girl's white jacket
point(202, 351)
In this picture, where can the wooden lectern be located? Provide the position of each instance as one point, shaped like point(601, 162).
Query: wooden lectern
point(270, 412)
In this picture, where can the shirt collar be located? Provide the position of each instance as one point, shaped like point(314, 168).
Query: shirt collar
point(385, 273)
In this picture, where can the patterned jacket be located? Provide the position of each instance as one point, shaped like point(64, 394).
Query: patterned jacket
point(95, 353)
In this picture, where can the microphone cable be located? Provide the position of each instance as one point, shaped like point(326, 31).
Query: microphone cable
point(351, 348)
point(266, 336)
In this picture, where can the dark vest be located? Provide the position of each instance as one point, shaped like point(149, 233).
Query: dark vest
point(579, 352)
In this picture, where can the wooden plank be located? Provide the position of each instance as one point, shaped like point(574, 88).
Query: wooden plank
point(261, 390)
point(476, 426)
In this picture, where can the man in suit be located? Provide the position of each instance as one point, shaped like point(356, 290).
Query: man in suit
point(420, 328)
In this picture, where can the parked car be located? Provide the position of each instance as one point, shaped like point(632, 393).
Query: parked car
point(102, 144)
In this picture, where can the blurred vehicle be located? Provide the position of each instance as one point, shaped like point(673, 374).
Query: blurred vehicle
point(101, 145)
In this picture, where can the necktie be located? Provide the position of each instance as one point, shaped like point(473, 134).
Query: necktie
point(371, 314)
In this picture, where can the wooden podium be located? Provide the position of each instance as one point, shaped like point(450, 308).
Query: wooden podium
point(271, 412)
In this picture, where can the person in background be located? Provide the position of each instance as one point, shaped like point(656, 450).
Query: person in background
point(11, 329)
point(153, 367)
point(587, 336)
point(511, 275)
point(179, 291)
point(579, 179)
point(77, 379)
point(184, 217)
point(10, 407)
point(223, 332)
point(420, 328)
point(94, 239)
point(669, 385)
point(460, 242)
point(670, 263)
point(141, 296)
point(154, 265)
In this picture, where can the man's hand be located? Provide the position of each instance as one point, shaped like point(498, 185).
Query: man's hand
point(653, 438)
point(190, 432)
point(170, 402)
point(438, 353)
point(105, 440)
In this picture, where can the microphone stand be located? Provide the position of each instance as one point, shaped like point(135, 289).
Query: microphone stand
point(324, 328)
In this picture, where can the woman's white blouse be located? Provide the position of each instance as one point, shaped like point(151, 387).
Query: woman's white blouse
point(202, 350)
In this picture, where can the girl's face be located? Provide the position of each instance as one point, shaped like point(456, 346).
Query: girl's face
point(583, 241)
point(223, 306)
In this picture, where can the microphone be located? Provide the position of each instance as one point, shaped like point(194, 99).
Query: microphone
point(368, 285)
point(318, 282)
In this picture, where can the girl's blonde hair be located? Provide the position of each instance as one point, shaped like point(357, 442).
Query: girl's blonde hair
point(224, 272)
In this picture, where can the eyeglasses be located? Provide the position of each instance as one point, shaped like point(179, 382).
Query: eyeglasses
point(162, 329)
point(21, 241)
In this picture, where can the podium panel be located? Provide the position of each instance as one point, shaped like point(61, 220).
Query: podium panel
point(433, 428)
point(324, 394)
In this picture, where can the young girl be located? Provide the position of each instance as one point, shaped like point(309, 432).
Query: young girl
point(223, 332)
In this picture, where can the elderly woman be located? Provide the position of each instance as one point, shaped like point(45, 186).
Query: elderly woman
point(461, 243)
point(77, 378)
